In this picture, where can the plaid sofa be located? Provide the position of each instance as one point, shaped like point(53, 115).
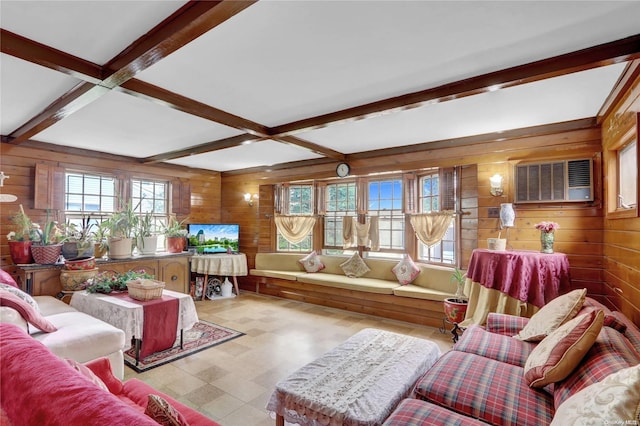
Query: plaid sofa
point(481, 380)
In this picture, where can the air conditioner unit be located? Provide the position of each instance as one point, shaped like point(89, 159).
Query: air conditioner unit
point(559, 181)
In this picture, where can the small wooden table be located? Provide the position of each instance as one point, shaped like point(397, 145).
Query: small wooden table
point(359, 382)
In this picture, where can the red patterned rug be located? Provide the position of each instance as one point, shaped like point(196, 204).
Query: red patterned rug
point(203, 335)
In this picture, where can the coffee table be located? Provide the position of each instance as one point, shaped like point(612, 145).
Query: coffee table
point(129, 317)
point(359, 382)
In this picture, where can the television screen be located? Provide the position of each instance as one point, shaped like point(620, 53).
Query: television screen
point(211, 238)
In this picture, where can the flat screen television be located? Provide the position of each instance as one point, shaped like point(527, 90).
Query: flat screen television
point(211, 238)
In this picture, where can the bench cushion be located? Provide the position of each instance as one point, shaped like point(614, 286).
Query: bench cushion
point(418, 292)
point(272, 273)
point(369, 285)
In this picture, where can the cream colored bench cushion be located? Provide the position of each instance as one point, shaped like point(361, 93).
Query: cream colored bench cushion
point(433, 283)
point(284, 266)
point(369, 285)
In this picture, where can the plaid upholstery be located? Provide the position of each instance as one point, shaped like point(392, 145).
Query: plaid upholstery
point(632, 332)
point(415, 412)
point(477, 340)
point(611, 352)
point(492, 391)
point(610, 320)
point(508, 325)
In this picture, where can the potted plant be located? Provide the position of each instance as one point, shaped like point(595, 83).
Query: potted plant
point(122, 226)
point(20, 240)
point(78, 239)
point(176, 235)
point(455, 308)
point(146, 238)
point(100, 239)
point(48, 246)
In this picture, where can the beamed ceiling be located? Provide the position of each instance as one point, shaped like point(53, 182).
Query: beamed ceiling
point(232, 86)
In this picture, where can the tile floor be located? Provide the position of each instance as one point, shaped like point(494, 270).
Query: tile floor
point(232, 382)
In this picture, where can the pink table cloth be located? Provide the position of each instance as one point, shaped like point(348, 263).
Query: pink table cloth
point(528, 276)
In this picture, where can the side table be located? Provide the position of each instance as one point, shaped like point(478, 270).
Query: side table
point(225, 265)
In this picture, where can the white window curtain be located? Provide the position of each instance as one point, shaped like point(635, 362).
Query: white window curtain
point(431, 227)
point(361, 234)
point(294, 228)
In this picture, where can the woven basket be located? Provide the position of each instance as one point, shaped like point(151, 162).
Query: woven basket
point(145, 289)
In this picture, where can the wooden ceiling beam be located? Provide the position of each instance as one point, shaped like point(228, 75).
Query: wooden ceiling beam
point(581, 60)
point(38, 53)
point(318, 149)
point(230, 142)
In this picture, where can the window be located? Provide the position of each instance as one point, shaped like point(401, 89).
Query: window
point(150, 196)
point(385, 201)
point(340, 202)
point(628, 176)
point(437, 192)
point(88, 194)
point(298, 200)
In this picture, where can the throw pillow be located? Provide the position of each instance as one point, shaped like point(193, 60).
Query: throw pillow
point(6, 278)
point(614, 400)
point(552, 315)
point(86, 372)
point(26, 310)
point(312, 262)
point(406, 270)
point(21, 294)
point(163, 412)
point(354, 267)
point(560, 352)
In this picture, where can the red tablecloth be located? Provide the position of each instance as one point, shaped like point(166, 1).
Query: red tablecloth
point(528, 276)
point(160, 323)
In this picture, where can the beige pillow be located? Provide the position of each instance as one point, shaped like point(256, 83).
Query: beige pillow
point(561, 351)
point(552, 315)
point(354, 267)
point(614, 400)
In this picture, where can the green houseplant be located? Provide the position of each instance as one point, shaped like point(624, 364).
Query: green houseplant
point(455, 308)
point(146, 238)
point(20, 239)
point(100, 239)
point(48, 246)
point(78, 239)
point(176, 234)
point(122, 227)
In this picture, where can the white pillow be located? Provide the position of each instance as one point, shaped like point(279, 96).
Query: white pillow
point(552, 315)
point(613, 401)
point(354, 267)
point(406, 270)
point(312, 262)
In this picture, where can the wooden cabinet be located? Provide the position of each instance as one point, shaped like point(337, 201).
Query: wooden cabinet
point(174, 270)
point(175, 273)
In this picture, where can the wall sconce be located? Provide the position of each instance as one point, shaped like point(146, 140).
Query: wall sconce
point(496, 185)
point(250, 198)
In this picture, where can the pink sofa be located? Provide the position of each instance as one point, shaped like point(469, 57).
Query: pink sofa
point(481, 380)
point(38, 388)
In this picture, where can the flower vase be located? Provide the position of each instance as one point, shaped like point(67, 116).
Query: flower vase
point(546, 241)
point(20, 252)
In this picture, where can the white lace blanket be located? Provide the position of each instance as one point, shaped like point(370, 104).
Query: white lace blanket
point(359, 382)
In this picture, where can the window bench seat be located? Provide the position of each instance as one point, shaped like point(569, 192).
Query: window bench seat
point(377, 292)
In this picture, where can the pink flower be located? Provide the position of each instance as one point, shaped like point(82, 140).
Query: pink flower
point(547, 226)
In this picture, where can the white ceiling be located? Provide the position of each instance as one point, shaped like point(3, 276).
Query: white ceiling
point(278, 62)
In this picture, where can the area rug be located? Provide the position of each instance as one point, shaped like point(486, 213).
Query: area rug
point(203, 335)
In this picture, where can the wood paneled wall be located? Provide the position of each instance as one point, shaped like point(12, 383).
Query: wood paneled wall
point(19, 162)
point(621, 235)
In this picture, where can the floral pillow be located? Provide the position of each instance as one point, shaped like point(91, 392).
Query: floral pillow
point(312, 262)
point(21, 294)
point(552, 315)
point(355, 266)
point(406, 270)
point(614, 400)
point(163, 412)
point(560, 352)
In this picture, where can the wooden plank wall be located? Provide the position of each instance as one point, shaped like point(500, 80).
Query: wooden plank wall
point(19, 162)
point(621, 244)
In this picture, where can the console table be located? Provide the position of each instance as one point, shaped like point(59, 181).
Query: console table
point(513, 282)
point(226, 265)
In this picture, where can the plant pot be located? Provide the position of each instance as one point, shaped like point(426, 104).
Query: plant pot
point(80, 263)
point(175, 244)
point(76, 280)
point(73, 249)
point(148, 245)
point(120, 248)
point(99, 250)
point(20, 252)
point(455, 309)
point(46, 255)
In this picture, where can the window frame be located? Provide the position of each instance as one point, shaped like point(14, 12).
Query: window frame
point(300, 247)
point(629, 135)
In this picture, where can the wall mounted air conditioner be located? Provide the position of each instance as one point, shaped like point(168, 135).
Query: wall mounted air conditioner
point(558, 181)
